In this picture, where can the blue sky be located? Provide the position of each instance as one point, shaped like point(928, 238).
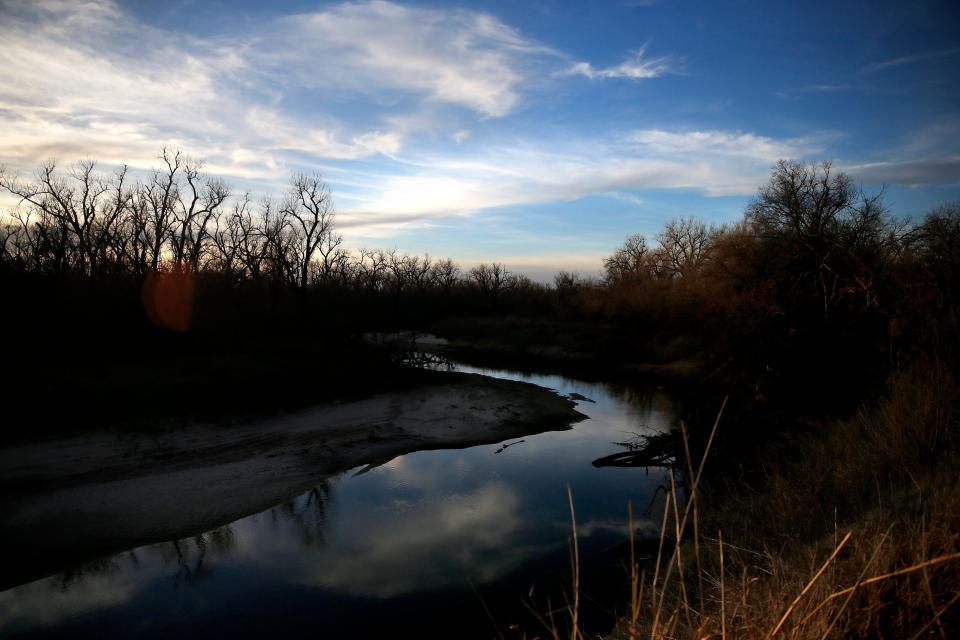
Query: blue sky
point(534, 133)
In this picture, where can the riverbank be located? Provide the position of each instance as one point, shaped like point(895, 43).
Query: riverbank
point(586, 350)
point(850, 531)
point(70, 499)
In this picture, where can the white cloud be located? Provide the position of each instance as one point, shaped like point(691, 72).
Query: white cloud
point(454, 56)
point(717, 163)
point(637, 67)
point(282, 132)
point(910, 59)
point(926, 156)
point(86, 79)
point(74, 96)
point(912, 173)
point(721, 143)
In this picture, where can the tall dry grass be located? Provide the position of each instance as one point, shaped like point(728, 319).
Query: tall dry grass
point(857, 536)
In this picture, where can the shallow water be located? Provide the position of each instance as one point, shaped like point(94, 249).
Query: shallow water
point(445, 543)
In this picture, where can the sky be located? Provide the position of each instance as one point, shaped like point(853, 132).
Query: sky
point(538, 134)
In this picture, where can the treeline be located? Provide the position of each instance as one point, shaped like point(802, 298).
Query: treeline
point(168, 296)
point(83, 222)
point(818, 288)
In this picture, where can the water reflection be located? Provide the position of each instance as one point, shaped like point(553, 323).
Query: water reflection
point(655, 450)
point(425, 544)
point(54, 601)
point(307, 514)
point(395, 547)
point(189, 556)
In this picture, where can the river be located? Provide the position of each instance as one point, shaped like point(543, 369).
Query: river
point(442, 543)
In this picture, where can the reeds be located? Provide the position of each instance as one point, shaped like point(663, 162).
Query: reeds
point(894, 573)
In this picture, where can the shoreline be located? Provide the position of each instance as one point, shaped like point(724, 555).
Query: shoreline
point(70, 500)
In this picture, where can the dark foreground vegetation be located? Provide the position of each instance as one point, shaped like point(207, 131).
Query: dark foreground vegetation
point(831, 326)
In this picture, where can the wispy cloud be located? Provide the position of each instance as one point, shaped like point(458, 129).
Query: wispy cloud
point(912, 173)
point(711, 162)
point(88, 79)
point(396, 104)
point(716, 163)
point(636, 67)
point(454, 56)
point(910, 59)
point(926, 156)
point(734, 144)
point(798, 92)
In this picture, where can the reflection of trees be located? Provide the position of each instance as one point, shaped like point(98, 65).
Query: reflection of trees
point(190, 555)
point(190, 558)
point(307, 513)
point(423, 360)
point(100, 567)
point(639, 399)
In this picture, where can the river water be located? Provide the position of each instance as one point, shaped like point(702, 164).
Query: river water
point(446, 543)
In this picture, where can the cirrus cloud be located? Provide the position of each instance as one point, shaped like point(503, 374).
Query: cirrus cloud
point(637, 67)
point(90, 79)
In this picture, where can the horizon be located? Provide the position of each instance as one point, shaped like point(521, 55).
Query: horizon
point(537, 136)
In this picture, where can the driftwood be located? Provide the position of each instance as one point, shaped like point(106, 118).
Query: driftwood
point(648, 451)
point(509, 444)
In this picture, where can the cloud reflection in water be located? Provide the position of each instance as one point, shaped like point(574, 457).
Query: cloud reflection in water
point(437, 543)
point(406, 531)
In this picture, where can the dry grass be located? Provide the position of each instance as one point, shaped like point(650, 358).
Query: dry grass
point(857, 537)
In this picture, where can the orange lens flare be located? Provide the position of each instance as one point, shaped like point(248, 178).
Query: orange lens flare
point(167, 298)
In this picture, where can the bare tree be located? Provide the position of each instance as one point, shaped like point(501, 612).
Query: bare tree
point(308, 212)
point(817, 223)
point(333, 259)
point(198, 204)
point(629, 261)
point(445, 274)
point(228, 239)
point(371, 269)
point(492, 279)
point(936, 243)
point(74, 217)
point(418, 272)
point(684, 243)
point(14, 245)
point(255, 248)
point(159, 197)
point(281, 246)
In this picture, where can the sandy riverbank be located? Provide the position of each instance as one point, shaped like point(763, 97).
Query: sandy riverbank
point(69, 500)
